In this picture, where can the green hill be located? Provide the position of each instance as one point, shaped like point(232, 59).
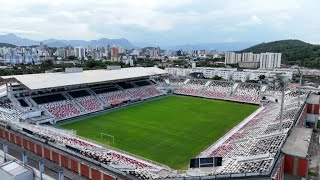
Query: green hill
point(293, 51)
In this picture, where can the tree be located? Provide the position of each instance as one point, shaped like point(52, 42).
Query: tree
point(217, 78)
point(72, 57)
point(47, 64)
point(262, 77)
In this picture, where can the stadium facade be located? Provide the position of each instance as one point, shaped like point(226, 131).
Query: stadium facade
point(257, 148)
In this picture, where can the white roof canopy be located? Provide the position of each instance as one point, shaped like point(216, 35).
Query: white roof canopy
point(61, 79)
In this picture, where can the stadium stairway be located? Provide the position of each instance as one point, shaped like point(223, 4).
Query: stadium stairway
point(124, 91)
point(207, 83)
point(102, 101)
point(30, 100)
point(74, 102)
point(263, 89)
point(186, 81)
point(202, 90)
point(234, 87)
point(167, 81)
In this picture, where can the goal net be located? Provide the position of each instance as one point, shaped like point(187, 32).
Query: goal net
point(107, 137)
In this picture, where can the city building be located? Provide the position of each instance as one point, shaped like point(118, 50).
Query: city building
point(266, 60)
point(231, 73)
point(114, 54)
point(270, 60)
point(79, 52)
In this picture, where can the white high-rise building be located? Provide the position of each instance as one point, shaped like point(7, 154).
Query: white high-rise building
point(230, 58)
point(79, 52)
point(247, 57)
point(270, 60)
point(256, 57)
point(238, 58)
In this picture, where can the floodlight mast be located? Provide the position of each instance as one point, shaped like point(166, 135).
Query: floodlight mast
point(283, 84)
point(282, 105)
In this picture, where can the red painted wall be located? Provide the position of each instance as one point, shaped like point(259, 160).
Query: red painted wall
point(18, 140)
point(74, 165)
point(84, 170)
point(316, 109)
point(31, 147)
point(64, 161)
point(303, 166)
point(25, 143)
point(6, 135)
point(39, 149)
point(288, 164)
point(46, 153)
point(55, 157)
point(309, 108)
point(107, 177)
point(11, 137)
point(95, 174)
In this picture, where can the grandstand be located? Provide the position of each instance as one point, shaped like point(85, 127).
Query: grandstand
point(250, 149)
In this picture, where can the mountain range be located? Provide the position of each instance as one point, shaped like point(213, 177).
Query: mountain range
point(19, 41)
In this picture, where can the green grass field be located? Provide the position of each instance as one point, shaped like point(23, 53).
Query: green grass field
point(171, 130)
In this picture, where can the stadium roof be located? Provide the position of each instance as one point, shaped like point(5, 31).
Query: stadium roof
point(61, 79)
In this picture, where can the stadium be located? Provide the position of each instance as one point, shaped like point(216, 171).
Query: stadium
point(143, 123)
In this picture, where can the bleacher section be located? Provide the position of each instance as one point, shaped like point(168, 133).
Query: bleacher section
point(253, 146)
point(217, 90)
point(115, 97)
point(61, 109)
point(247, 93)
point(72, 103)
point(191, 87)
point(8, 112)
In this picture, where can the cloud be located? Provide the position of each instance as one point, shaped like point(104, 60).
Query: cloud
point(161, 21)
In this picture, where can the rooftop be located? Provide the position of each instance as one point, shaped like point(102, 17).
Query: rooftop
point(61, 79)
point(14, 168)
point(298, 141)
point(313, 99)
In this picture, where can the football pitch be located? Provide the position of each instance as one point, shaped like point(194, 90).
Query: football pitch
point(169, 130)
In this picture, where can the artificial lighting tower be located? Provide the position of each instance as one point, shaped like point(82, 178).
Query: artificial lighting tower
point(284, 80)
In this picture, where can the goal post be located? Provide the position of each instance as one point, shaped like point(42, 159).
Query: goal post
point(102, 135)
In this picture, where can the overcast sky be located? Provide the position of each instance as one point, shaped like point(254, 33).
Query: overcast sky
point(163, 21)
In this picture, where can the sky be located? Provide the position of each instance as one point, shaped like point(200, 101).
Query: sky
point(169, 22)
